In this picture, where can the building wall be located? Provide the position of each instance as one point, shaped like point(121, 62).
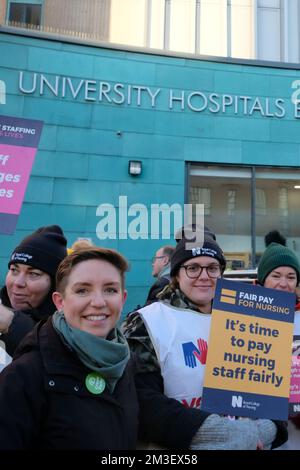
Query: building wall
point(86, 144)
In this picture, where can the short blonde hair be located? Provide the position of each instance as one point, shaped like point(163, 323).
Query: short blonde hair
point(79, 244)
point(85, 254)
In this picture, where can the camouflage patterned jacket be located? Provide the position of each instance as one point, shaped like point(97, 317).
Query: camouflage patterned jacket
point(163, 420)
point(138, 338)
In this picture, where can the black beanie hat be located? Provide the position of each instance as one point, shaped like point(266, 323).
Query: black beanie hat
point(209, 248)
point(44, 249)
point(189, 232)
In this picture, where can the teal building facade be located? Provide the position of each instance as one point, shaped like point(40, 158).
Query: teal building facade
point(185, 119)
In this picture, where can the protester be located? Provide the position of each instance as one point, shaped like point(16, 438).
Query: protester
point(27, 295)
point(161, 270)
point(169, 376)
point(70, 384)
point(279, 268)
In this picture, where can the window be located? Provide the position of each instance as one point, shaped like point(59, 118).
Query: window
point(201, 196)
point(244, 205)
point(283, 205)
point(156, 24)
point(25, 13)
point(231, 202)
point(128, 22)
point(242, 29)
point(260, 202)
point(213, 27)
point(269, 30)
point(182, 25)
point(283, 202)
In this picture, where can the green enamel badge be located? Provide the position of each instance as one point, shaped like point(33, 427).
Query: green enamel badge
point(95, 383)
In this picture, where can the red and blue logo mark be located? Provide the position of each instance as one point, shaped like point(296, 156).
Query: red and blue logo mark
point(192, 352)
point(193, 403)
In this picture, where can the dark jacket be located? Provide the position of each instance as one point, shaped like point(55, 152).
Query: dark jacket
point(24, 320)
point(45, 404)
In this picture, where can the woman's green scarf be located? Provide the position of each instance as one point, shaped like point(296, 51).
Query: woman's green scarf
point(108, 357)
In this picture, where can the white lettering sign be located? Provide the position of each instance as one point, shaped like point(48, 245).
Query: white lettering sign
point(197, 101)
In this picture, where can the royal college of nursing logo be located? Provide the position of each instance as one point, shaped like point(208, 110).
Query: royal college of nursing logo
point(237, 400)
point(2, 92)
point(228, 296)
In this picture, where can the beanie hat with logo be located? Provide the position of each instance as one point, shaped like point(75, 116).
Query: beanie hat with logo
point(209, 248)
point(276, 255)
point(190, 231)
point(44, 249)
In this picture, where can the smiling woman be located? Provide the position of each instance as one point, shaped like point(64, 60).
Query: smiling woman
point(91, 293)
point(72, 376)
point(27, 295)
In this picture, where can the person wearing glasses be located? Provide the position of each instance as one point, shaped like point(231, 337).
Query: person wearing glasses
point(169, 340)
point(161, 270)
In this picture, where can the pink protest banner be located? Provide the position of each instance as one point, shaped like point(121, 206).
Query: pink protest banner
point(19, 140)
point(294, 400)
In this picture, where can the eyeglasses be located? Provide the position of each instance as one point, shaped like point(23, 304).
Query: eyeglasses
point(195, 270)
point(157, 257)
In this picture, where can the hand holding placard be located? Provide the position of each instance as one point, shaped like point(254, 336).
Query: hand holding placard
point(249, 352)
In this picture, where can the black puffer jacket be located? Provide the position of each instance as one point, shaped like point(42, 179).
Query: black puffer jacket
point(45, 404)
